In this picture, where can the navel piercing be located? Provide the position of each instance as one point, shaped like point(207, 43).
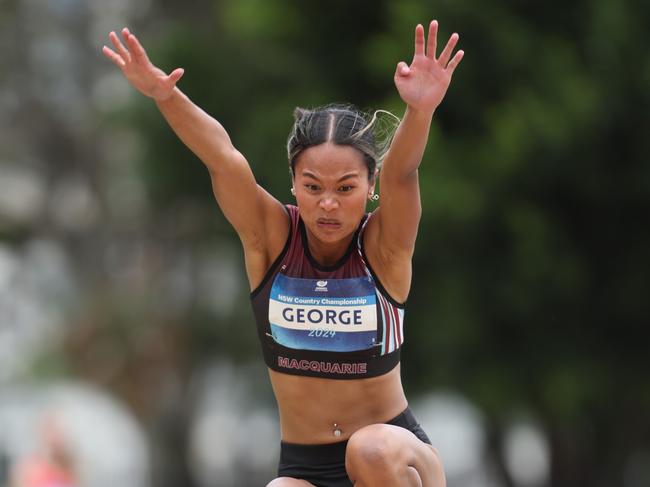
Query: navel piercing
point(337, 431)
point(293, 191)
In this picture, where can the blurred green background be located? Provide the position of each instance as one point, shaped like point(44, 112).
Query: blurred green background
point(530, 297)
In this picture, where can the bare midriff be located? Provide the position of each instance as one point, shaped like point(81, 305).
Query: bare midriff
point(312, 408)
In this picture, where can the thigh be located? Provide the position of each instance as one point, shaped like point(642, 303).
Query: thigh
point(384, 452)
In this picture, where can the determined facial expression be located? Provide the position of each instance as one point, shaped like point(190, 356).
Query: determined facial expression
point(332, 187)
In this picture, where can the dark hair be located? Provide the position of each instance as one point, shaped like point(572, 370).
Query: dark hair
point(338, 124)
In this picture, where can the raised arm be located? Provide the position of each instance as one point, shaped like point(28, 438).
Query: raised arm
point(422, 86)
point(248, 207)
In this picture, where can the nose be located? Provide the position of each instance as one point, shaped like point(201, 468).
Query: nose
point(329, 203)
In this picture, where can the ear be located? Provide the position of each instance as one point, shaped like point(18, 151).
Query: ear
point(373, 181)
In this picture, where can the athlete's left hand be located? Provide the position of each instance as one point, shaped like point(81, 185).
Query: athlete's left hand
point(423, 84)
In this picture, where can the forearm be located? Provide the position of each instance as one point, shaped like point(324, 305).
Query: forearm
point(200, 132)
point(408, 144)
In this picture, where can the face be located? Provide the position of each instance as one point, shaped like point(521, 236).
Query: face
point(332, 188)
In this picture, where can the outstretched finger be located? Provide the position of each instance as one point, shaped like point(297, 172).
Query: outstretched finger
point(419, 40)
point(445, 55)
point(453, 64)
point(137, 49)
point(120, 47)
point(113, 56)
point(431, 40)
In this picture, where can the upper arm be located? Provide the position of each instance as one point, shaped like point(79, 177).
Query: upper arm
point(250, 210)
point(389, 236)
point(259, 219)
point(399, 214)
point(238, 194)
point(397, 219)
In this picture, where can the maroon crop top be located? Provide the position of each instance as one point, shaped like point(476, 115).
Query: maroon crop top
point(335, 322)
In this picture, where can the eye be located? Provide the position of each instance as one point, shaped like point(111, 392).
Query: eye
point(347, 188)
point(312, 187)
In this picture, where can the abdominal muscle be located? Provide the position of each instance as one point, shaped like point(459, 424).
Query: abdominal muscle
point(311, 406)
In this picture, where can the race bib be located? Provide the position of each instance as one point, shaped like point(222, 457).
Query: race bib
point(336, 315)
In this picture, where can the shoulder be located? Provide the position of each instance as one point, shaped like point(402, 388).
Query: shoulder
point(278, 229)
point(269, 242)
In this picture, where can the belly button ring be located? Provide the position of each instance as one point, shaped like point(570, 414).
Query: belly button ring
point(337, 431)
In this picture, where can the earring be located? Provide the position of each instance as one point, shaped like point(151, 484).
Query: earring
point(293, 191)
point(373, 196)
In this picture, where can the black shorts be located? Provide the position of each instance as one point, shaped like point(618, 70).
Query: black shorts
point(324, 465)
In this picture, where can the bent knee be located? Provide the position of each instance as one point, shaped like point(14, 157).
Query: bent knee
point(372, 447)
point(388, 452)
point(280, 482)
point(288, 482)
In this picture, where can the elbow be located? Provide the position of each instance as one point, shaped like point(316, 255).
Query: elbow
point(224, 161)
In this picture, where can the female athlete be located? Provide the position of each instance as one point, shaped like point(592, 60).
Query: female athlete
point(328, 280)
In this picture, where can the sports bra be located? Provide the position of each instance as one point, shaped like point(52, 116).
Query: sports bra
point(334, 322)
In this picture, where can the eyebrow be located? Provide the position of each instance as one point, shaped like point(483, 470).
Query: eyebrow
point(342, 178)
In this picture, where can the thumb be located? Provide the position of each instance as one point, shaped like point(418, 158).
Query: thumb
point(175, 76)
point(402, 69)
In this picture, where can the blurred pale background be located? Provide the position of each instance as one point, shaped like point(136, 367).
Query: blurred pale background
point(128, 354)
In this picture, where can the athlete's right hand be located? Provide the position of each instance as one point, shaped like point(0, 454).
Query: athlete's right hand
point(139, 71)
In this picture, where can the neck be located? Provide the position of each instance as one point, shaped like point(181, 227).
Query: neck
point(327, 254)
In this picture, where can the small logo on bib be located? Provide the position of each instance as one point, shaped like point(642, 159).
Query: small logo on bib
point(321, 286)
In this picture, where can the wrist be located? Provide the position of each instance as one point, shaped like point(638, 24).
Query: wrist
point(168, 97)
point(418, 114)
